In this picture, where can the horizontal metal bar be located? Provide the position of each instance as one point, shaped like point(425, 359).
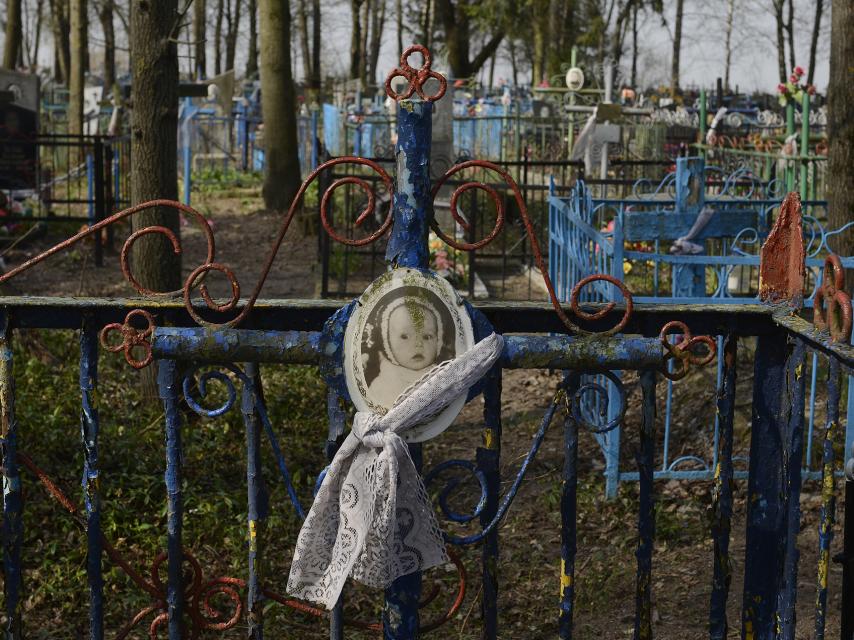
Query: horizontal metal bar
point(818, 340)
point(236, 345)
point(309, 315)
point(303, 347)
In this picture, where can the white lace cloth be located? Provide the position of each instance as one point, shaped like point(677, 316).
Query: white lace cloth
point(371, 518)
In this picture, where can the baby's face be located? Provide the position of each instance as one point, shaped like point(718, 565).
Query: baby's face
point(413, 341)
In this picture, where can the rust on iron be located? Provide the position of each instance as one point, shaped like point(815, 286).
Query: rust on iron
point(132, 337)
point(681, 350)
point(781, 266)
point(837, 318)
point(416, 78)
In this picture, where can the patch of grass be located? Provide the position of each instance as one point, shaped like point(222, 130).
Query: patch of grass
point(132, 459)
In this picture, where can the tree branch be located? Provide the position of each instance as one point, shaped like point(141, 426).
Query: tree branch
point(487, 51)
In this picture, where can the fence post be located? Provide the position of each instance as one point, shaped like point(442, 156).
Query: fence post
point(407, 247)
point(169, 383)
point(100, 198)
point(12, 503)
point(776, 443)
point(848, 556)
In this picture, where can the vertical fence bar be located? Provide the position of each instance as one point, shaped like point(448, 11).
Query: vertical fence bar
point(488, 457)
point(793, 455)
point(337, 424)
point(167, 373)
point(646, 510)
point(722, 493)
point(569, 525)
point(848, 561)
point(89, 427)
point(257, 500)
point(828, 496)
point(773, 447)
point(100, 198)
point(12, 525)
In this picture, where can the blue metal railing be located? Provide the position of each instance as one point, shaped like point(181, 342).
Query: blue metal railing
point(588, 235)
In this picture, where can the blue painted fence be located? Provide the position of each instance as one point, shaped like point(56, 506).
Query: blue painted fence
point(629, 239)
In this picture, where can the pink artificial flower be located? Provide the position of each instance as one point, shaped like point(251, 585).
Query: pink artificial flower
point(793, 79)
point(781, 88)
point(441, 261)
point(799, 71)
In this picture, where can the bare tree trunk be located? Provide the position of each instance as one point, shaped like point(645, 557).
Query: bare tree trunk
point(105, 17)
point(14, 34)
point(34, 56)
point(76, 76)
point(363, 60)
point(377, 25)
point(840, 120)
point(540, 28)
point(677, 48)
point(315, 45)
point(427, 23)
point(730, 11)
point(233, 23)
point(781, 40)
point(252, 55)
point(398, 10)
point(356, 52)
point(62, 46)
point(302, 26)
point(634, 78)
point(281, 167)
point(514, 67)
point(154, 138)
point(790, 34)
point(816, 29)
point(200, 27)
point(220, 10)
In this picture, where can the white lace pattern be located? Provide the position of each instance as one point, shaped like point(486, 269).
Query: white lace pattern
point(372, 519)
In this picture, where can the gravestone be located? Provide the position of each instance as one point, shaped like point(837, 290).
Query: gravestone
point(19, 102)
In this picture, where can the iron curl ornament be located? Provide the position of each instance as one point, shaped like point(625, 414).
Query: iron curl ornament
point(836, 319)
point(239, 311)
point(416, 78)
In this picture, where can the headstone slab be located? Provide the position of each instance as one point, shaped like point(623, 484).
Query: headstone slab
point(18, 130)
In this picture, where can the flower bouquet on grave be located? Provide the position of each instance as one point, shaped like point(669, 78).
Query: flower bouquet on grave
point(793, 90)
point(448, 262)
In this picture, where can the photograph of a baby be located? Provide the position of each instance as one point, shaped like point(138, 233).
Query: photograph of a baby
point(408, 332)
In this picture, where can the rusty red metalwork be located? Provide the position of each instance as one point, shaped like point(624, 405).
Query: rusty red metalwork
point(535, 247)
point(681, 350)
point(781, 266)
point(415, 78)
point(837, 319)
point(132, 337)
point(116, 217)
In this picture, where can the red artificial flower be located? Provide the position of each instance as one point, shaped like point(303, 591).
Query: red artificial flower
point(799, 71)
point(781, 88)
point(793, 79)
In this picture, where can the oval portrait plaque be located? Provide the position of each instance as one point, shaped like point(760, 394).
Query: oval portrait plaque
point(406, 323)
